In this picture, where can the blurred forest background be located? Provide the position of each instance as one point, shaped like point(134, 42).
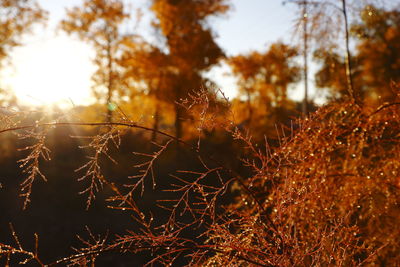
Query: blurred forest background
point(349, 51)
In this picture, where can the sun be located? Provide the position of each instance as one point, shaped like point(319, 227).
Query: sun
point(55, 71)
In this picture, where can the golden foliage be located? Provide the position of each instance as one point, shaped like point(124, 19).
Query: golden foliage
point(16, 18)
point(98, 22)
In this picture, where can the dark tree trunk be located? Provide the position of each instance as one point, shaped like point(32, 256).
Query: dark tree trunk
point(178, 121)
point(110, 81)
point(350, 85)
point(305, 57)
point(156, 122)
point(249, 107)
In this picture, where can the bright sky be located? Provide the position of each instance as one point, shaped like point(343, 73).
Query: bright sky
point(54, 68)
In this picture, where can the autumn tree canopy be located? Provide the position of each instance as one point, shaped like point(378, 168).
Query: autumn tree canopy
point(378, 49)
point(147, 70)
point(376, 58)
point(16, 18)
point(98, 23)
point(189, 44)
point(332, 72)
point(264, 78)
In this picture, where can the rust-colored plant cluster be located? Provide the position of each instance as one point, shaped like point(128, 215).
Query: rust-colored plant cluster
point(326, 196)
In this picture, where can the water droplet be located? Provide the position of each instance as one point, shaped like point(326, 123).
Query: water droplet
point(111, 106)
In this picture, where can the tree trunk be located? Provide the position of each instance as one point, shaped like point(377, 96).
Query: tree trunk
point(305, 55)
point(178, 121)
point(350, 85)
point(156, 122)
point(249, 107)
point(110, 81)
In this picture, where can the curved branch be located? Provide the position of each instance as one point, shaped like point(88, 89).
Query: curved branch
point(384, 107)
point(235, 175)
point(176, 247)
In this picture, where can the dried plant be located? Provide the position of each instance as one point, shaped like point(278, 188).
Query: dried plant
point(327, 195)
point(30, 164)
point(17, 249)
point(92, 168)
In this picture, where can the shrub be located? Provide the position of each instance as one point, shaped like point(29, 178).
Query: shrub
point(327, 195)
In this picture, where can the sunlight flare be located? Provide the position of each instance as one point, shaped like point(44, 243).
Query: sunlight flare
point(56, 71)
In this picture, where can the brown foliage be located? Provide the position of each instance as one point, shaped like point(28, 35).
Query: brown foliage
point(378, 51)
point(328, 195)
point(264, 79)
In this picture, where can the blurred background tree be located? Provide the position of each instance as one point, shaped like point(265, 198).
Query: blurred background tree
point(264, 80)
point(331, 74)
point(17, 17)
point(378, 52)
point(323, 28)
point(189, 43)
point(375, 62)
point(146, 68)
point(99, 23)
